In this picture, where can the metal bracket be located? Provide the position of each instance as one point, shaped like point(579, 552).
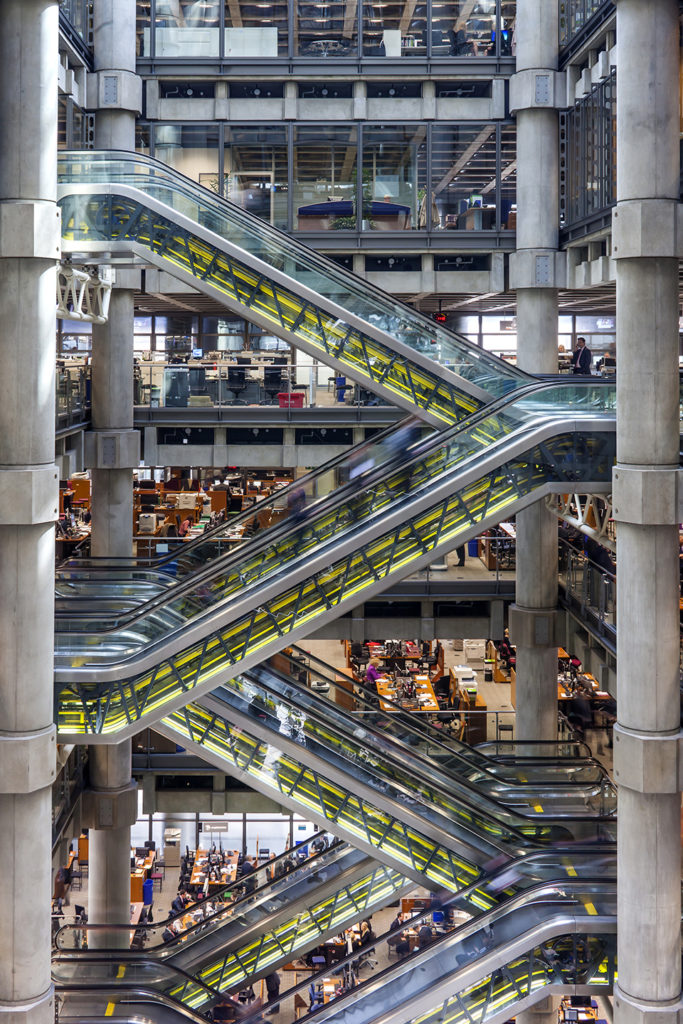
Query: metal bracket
point(83, 294)
point(588, 513)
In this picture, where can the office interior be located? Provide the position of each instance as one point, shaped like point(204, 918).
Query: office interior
point(261, 474)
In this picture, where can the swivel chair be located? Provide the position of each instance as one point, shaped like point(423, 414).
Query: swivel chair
point(237, 380)
point(273, 381)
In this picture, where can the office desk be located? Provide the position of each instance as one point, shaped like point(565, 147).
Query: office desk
point(143, 867)
point(425, 698)
point(201, 870)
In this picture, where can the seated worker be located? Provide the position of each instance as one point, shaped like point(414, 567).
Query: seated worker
point(178, 904)
point(425, 936)
point(185, 527)
point(372, 673)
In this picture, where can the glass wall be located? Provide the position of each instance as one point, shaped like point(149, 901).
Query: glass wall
point(464, 177)
point(324, 178)
point(187, 28)
point(256, 29)
point(574, 14)
point(255, 171)
point(324, 30)
point(235, 29)
point(394, 183)
point(79, 15)
point(190, 149)
point(590, 154)
point(426, 177)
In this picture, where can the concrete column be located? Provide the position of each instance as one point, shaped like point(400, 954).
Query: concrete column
point(29, 246)
point(644, 491)
point(112, 451)
point(113, 444)
point(536, 271)
point(110, 808)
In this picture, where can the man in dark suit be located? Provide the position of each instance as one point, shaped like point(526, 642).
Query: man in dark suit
point(582, 357)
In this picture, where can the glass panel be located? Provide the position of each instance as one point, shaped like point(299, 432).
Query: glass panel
point(76, 13)
point(187, 28)
point(463, 29)
point(464, 177)
point(142, 28)
point(324, 178)
point(395, 29)
point(508, 21)
point(257, 29)
point(256, 171)
point(190, 149)
point(326, 29)
point(394, 177)
point(62, 140)
point(508, 176)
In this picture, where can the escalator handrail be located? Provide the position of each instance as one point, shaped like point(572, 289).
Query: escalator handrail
point(153, 926)
point(179, 182)
point(283, 529)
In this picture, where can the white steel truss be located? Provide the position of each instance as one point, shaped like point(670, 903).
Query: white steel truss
point(83, 294)
point(589, 513)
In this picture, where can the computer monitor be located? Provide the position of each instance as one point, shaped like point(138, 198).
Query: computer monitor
point(197, 353)
point(141, 851)
point(132, 863)
point(438, 917)
point(280, 361)
point(243, 360)
point(580, 1001)
point(571, 1016)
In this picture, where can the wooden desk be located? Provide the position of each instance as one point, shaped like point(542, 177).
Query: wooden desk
point(201, 870)
point(143, 867)
point(488, 547)
point(423, 689)
point(412, 904)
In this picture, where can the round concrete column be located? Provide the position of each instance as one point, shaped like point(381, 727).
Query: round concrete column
point(109, 848)
point(29, 247)
point(645, 501)
point(535, 275)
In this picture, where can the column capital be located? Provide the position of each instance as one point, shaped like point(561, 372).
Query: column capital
point(114, 90)
point(646, 228)
point(646, 495)
point(637, 1011)
point(533, 627)
point(29, 495)
point(538, 268)
point(110, 808)
point(28, 760)
point(40, 1010)
point(112, 449)
point(30, 230)
point(538, 89)
point(647, 762)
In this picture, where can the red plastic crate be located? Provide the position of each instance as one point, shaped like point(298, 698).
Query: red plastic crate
point(293, 400)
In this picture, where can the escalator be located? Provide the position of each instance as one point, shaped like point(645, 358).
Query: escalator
point(570, 783)
point(128, 204)
point(549, 927)
point(234, 942)
point(372, 531)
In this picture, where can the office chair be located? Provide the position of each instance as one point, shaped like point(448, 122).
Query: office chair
point(273, 381)
point(360, 654)
point(237, 381)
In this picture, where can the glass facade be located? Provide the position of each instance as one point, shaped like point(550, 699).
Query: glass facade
point(353, 177)
point(590, 163)
point(267, 29)
point(574, 14)
point(79, 15)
